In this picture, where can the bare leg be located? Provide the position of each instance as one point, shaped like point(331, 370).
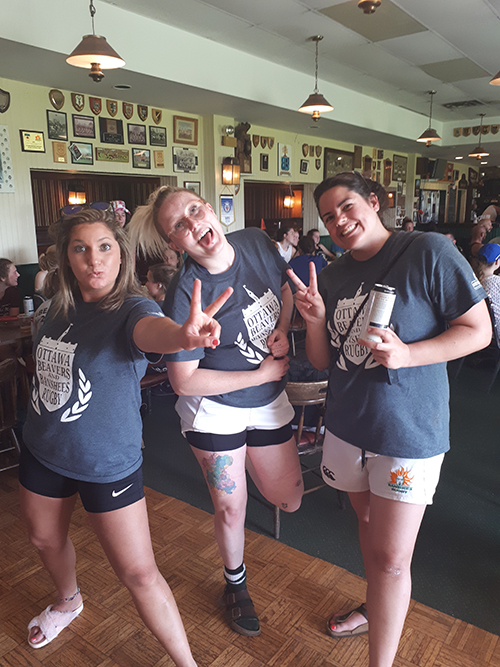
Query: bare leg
point(48, 520)
point(125, 537)
point(225, 476)
point(392, 532)
point(276, 472)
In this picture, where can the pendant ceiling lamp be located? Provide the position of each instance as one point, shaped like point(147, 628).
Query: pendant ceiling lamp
point(316, 103)
point(369, 6)
point(479, 152)
point(95, 53)
point(429, 135)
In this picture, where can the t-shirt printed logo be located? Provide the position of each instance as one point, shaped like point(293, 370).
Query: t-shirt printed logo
point(54, 372)
point(260, 320)
point(401, 480)
point(342, 317)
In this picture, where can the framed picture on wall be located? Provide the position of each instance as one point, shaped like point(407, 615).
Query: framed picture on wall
point(141, 158)
point(399, 163)
point(157, 135)
point(111, 130)
point(136, 134)
point(32, 141)
point(264, 162)
point(185, 130)
point(335, 162)
point(194, 186)
point(81, 153)
point(304, 166)
point(57, 125)
point(185, 159)
point(83, 126)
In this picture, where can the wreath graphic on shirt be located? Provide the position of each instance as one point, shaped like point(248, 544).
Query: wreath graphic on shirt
point(54, 373)
point(352, 351)
point(260, 319)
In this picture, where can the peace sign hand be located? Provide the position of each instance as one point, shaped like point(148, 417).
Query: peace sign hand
point(200, 329)
point(308, 299)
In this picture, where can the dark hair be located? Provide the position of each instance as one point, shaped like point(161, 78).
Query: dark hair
point(162, 273)
point(307, 245)
point(125, 283)
point(312, 231)
point(282, 231)
point(355, 182)
point(5, 265)
point(144, 229)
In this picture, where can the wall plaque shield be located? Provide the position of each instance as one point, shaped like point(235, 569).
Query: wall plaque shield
point(142, 112)
point(56, 98)
point(156, 113)
point(318, 151)
point(466, 131)
point(95, 105)
point(263, 142)
point(112, 107)
point(78, 101)
point(255, 139)
point(128, 110)
point(4, 100)
point(270, 141)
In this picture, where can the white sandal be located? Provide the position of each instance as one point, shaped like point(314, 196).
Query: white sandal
point(51, 623)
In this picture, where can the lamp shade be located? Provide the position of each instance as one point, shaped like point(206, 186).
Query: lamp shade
point(230, 172)
point(495, 81)
point(429, 136)
point(95, 49)
point(316, 102)
point(479, 152)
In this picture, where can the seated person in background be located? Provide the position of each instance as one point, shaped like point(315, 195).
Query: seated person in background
point(454, 241)
point(407, 225)
point(122, 214)
point(9, 294)
point(319, 248)
point(300, 263)
point(47, 261)
point(159, 277)
point(286, 241)
point(478, 235)
point(485, 264)
point(49, 290)
point(172, 258)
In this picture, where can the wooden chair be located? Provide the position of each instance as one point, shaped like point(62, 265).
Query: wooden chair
point(297, 325)
point(147, 383)
point(8, 412)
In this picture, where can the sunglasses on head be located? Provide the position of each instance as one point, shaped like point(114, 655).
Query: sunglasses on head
point(77, 208)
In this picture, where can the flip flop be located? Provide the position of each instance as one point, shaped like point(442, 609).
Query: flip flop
point(51, 623)
point(338, 620)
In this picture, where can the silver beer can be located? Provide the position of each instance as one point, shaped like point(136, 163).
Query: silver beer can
point(29, 308)
point(378, 311)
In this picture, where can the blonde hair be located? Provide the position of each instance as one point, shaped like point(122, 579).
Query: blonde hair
point(48, 259)
point(144, 230)
point(126, 282)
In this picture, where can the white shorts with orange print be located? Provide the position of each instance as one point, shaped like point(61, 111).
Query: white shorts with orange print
point(405, 480)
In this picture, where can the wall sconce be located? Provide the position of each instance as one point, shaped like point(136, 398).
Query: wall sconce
point(230, 171)
point(76, 193)
point(95, 53)
point(289, 199)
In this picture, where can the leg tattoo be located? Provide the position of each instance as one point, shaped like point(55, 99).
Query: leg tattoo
point(217, 475)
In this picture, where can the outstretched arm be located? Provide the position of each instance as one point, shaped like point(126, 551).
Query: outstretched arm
point(468, 333)
point(163, 335)
point(312, 308)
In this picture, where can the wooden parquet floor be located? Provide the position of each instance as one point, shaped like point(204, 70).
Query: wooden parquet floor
point(293, 592)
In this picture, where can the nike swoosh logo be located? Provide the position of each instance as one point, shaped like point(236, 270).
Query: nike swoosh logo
point(115, 494)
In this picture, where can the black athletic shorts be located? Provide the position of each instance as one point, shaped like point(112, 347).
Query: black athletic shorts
point(37, 478)
point(253, 437)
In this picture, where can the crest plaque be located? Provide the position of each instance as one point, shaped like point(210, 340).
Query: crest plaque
point(142, 112)
point(56, 98)
point(78, 101)
point(4, 100)
point(112, 107)
point(95, 105)
point(156, 114)
point(255, 140)
point(263, 142)
point(128, 110)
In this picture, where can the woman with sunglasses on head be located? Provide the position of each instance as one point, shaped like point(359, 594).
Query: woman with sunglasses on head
point(233, 407)
point(387, 408)
point(83, 431)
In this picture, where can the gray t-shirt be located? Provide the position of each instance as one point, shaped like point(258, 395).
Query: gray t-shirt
point(400, 412)
point(246, 319)
point(83, 418)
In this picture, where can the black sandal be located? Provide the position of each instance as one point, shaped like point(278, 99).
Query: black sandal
point(240, 612)
point(337, 621)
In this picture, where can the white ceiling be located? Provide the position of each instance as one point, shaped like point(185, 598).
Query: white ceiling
point(405, 49)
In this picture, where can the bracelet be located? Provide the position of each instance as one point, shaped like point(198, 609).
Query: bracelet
point(70, 598)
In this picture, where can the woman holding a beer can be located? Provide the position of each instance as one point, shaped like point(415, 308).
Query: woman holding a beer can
point(387, 408)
